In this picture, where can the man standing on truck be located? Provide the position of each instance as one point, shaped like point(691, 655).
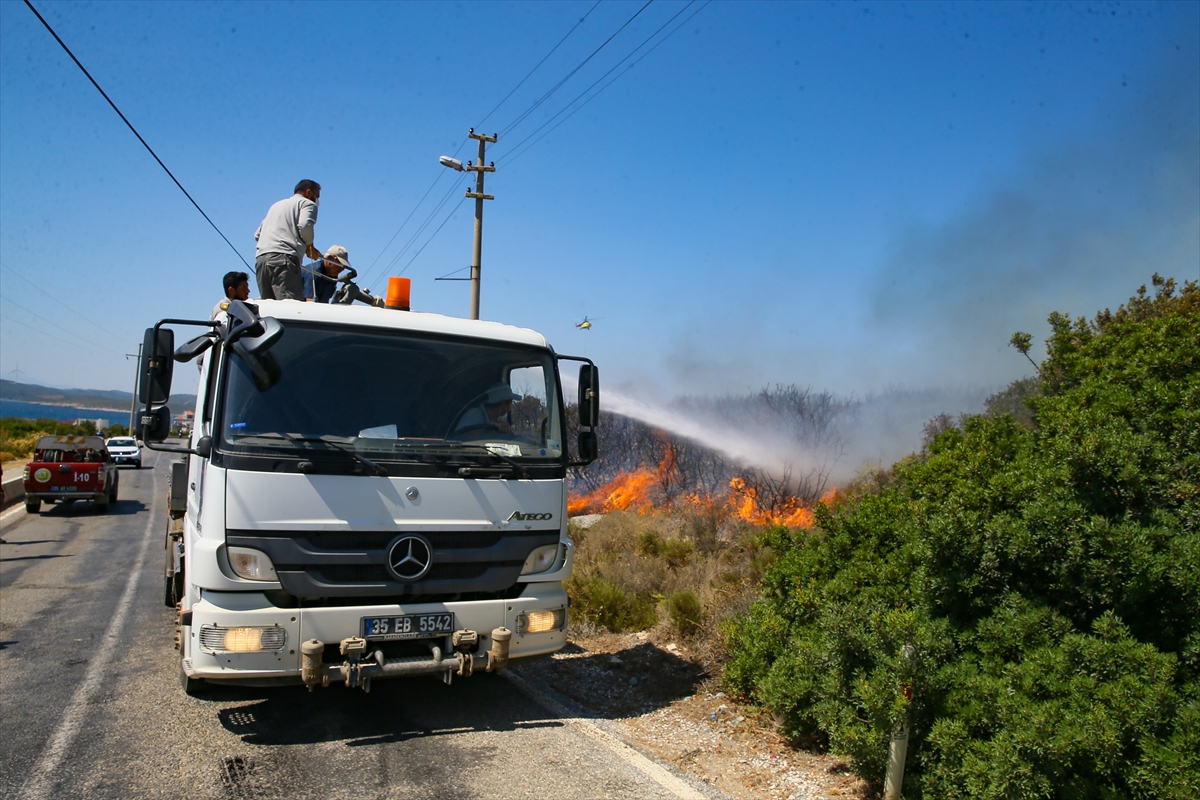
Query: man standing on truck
point(284, 237)
point(320, 277)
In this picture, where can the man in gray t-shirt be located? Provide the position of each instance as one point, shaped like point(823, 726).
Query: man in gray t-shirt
point(284, 237)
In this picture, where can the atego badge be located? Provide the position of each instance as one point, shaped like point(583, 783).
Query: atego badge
point(520, 517)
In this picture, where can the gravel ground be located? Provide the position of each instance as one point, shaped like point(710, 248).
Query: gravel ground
point(663, 699)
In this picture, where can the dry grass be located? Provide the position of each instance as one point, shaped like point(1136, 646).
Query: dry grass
point(19, 447)
point(681, 571)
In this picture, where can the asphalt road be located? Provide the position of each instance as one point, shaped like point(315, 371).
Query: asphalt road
point(90, 704)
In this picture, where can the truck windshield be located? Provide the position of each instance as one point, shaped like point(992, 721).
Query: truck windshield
point(389, 394)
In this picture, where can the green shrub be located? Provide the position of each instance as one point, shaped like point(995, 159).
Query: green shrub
point(685, 612)
point(676, 552)
point(18, 437)
point(649, 544)
point(602, 602)
point(1035, 584)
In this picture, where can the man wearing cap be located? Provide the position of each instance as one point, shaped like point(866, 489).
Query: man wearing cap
point(320, 277)
point(284, 237)
point(492, 413)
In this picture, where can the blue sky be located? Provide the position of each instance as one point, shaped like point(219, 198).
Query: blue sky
point(847, 196)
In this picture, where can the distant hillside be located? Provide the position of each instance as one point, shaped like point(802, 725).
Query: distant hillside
point(84, 398)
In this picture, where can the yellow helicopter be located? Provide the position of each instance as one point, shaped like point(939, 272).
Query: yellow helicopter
point(585, 325)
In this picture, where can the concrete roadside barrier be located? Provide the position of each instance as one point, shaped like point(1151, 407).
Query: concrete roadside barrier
point(14, 491)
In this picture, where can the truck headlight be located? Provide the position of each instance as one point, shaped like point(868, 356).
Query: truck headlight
point(541, 621)
point(540, 560)
point(216, 638)
point(253, 565)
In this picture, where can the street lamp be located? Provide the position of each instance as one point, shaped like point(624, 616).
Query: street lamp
point(479, 169)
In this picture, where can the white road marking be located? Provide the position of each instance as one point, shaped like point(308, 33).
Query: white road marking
point(12, 512)
point(660, 775)
point(40, 781)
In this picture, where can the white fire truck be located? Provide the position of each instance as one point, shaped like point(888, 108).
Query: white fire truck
point(367, 493)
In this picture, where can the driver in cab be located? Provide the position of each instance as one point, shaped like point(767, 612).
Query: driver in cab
point(492, 413)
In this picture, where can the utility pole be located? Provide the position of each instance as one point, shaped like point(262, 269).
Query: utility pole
point(136, 376)
point(479, 169)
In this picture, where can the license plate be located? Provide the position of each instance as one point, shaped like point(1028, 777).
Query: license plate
point(64, 488)
point(408, 626)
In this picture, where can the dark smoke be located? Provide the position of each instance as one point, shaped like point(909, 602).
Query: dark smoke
point(1078, 230)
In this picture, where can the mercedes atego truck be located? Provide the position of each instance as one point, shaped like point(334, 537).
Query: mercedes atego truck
point(368, 492)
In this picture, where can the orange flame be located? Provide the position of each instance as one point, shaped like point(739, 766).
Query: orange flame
point(643, 489)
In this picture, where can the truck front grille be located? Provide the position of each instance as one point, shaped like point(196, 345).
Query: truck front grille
point(327, 564)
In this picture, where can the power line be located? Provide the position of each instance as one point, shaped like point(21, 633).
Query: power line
point(135, 133)
point(59, 325)
point(434, 234)
point(508, 128)
point(399, 255)
point(520, 118)
point(508, 159)
point(412, 239)
point(60, 302)
point(441, 174)
point(535, 68)
point(457, 184)
point(75, 344)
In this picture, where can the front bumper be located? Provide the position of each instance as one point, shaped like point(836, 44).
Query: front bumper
point(131, 458)
point(331, 626)
point(51, 497)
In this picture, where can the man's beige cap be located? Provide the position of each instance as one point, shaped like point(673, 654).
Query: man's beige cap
point(338, 255)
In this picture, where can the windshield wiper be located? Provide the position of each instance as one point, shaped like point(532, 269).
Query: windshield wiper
point(376, 468)
point(516, 467)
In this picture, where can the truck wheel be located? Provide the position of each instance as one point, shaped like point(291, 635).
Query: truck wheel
point(191, 686)
point(33, 506)
point(102, 505)
point(113, 496)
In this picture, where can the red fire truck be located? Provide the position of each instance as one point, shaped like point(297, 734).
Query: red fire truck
point(70, 468)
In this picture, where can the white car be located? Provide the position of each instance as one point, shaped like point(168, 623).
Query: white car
point(125, 450)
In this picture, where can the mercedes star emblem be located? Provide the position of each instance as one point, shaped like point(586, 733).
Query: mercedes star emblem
point(410, 557)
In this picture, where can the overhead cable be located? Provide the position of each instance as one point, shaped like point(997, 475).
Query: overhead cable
point(57, 324)
point(509, 158)
point(558, 85)
point(421, 228)
point(441, 174)
point(535, 68)
point(135, 133)
point(60, 302)
point(77, 345)
point(431, 237)
point(367, 271)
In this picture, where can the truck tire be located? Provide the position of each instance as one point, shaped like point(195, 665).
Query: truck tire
point(112, 498)
point(191, 686)
point(33, 506)
point(102, 504)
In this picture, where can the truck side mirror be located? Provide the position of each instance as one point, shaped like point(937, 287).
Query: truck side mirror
point(189, 350)
point(260, 343)
point(155, 426)
point(157, 364)
point(589, 396)
point(588, 447)
point(256, 334)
